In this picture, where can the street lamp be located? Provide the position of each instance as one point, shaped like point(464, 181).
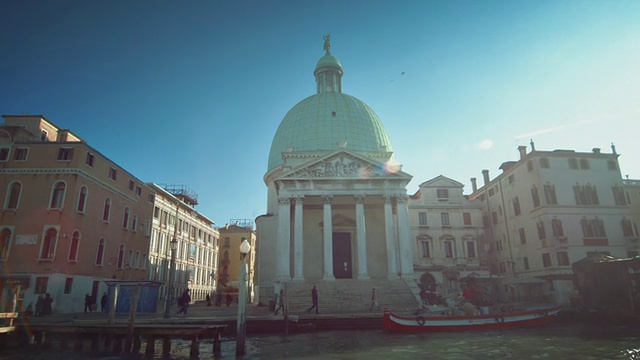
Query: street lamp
point(241, 328)
point(172, 273)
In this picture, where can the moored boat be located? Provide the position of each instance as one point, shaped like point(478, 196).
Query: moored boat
point(437, 323)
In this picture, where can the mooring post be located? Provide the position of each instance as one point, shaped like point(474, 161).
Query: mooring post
point(151, 345)
point(195, 347)
point(132, 319)
point(166, 345)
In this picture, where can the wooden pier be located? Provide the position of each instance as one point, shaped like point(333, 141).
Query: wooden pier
point(123, 339)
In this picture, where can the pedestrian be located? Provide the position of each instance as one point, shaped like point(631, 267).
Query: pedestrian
point(39, 305)
point(314, 299)
point(87, 303)
point(374, 300)
point(185, 299)
point(103, 302)
point(279, 302)
point(47, 308)
point(218, 298)
point(229, 299)
point(208, 300)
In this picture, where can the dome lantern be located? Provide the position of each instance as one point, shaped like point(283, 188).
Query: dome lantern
point(328, 70)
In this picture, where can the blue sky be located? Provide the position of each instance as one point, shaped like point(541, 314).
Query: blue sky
point(192, 92)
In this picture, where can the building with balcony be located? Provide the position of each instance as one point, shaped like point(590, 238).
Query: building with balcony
point(71, 218)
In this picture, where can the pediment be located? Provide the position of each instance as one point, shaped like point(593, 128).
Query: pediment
point(442, 182)
point(342, 164)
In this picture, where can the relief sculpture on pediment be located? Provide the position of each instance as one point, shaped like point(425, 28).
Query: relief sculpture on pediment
point(337, 168)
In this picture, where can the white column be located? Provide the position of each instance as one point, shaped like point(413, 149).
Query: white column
point(283, 256)
point(362, 237)
point(327, 237)
point(298, 273)
point(390, 235)
point(404, 238)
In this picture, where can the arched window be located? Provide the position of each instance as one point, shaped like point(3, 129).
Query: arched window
point(48, 249)
point(82, 199)
point(75, 244)
point(100, 253)
point(57, 195)
point(143, 261)
point(5, 241)
point(137, 263)
point(226, 255)
point(121, 256)
point(125, 219)
point(130, 259)
point(13, 195)
point(107, 209)
point(134, 223)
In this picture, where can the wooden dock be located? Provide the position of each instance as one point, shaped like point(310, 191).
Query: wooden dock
point(122, 338)
point(6, 322)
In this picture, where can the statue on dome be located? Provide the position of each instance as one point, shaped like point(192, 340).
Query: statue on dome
point(327, 43)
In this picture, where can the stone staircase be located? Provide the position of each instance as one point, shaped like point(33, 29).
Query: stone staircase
point(349, 295)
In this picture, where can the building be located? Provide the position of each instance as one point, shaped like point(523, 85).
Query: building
point(175, 217)
point(632, 235)
point(231, 236)
point(337, 202)
point(71, 217)
point(548, 210)
point(448, 237)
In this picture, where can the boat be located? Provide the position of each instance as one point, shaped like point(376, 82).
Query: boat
point(446, 322)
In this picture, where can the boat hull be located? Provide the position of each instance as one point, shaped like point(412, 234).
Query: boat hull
point(412, 323)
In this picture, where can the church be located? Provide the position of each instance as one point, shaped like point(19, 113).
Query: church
point(337, 207)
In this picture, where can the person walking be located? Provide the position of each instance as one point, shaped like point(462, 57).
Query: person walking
point(185, 299)
point(87, 303)
point(314, 299)
point(374, 300)
point(103, 302)
point(280, 302)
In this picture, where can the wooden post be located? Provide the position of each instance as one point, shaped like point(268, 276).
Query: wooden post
point(132, 319)
point(112, 305)
point(166, 345)
point(137, 344)
point(217, 346)
point(151, 345)
point(195, 347)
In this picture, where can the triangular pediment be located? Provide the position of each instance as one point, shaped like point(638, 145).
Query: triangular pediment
point(441, 182)
point(343, 164)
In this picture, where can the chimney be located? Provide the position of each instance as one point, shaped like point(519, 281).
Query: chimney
point(523, 151)
point(485, 176)
point(596, 150)
point(533, 145)
point(474, 185)
point(613, 149)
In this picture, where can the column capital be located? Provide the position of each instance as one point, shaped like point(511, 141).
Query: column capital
point(388, 199)
point(402, 198)
point(359, 199)
point(327, 199)
point(299, 199)
point(284, 200)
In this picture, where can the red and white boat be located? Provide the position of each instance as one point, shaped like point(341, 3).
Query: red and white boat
point(439, 323)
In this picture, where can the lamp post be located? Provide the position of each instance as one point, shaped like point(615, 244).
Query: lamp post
point(172, 273)
point(241, 328)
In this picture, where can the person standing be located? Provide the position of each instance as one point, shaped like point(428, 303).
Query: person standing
point(374, 300)
point(185, 299)
point(47, 308)
point(280, 302)
point(208, 300)
point(103, 302)
point(87, 303)
point(314, 299)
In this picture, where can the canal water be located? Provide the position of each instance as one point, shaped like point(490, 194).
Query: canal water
point(550, 342)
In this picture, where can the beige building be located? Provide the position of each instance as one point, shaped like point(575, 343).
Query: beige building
point(448, 237)
point(231, 236)
point(197, 243)
point(549, 209)
point(71, 218)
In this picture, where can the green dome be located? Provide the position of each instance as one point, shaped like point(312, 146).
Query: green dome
point(319, 122)
point(328, 61)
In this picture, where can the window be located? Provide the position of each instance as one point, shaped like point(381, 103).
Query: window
point(491, 192)
point(444, 217)
point(136, 264)
point(13, 195)
point(21, 154)
point(544, 163)
point(107, 210)
point(584, 164)
point(563, 258)
point(573, 163)
point(44, 135)
point(550, 194)
point(131, 184)
point(41, 285)
point(138, 191)
point(471, 249)
point(422, 218)
point(57, 195)
point(82, 199)
point(556, 227)
point(618, 195)
point(494, 217)
point(448, 249)
point(535, 197)
point(525, 263)
point(89, 159)
point(593, 227)
point(75, 245)
point(113, 173)
point(546, 260)
point(523, 236)
point(120, 264)
point(48, 248)
point(424, 244)
point(134, 223)
point(156, 212)
point(585, 194)
point(510, 179)
point(542, 233)
point(143, 264)
point(443, 194)
point(627, 230)
point(129, 259)
point(68, 285)
point(466, 218)
point(65, 154)
point(100, 252)
point(125, 218)
point(516, 206)
point(5, 241)
point(612, 165)
point(4, 153)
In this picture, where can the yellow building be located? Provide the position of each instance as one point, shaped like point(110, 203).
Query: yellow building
point(71, 218)
point(231, 258)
